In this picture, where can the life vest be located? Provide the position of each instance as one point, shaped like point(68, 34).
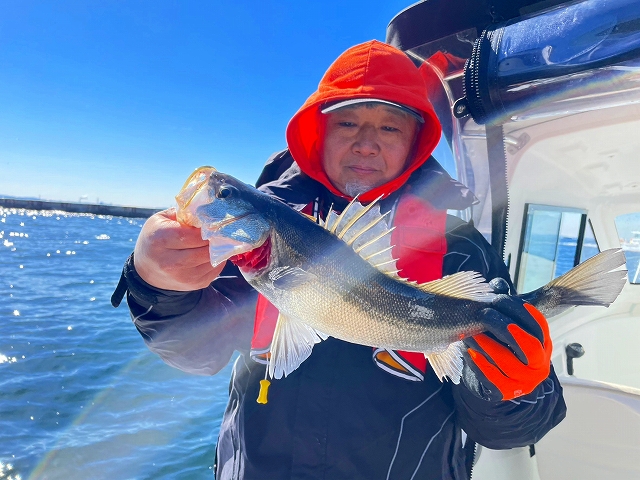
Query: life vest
point(419, 247)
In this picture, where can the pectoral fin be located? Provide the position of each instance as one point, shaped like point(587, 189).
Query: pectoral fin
point(289, 278)
point(448, 362)
point(292, 344)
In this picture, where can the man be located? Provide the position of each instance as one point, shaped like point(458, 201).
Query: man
point(350, 411)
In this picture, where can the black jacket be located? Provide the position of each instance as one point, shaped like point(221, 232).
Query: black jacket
point(338, 416)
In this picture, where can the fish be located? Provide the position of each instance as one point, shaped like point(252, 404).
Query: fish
point(337, 277)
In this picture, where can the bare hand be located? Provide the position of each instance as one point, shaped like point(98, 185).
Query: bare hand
point(173, 256)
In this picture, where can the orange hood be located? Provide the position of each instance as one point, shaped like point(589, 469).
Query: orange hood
point(369, 70)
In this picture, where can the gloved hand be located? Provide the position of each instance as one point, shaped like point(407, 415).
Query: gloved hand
point(514, 356)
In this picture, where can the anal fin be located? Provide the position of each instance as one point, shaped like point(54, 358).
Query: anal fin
point(448, 363)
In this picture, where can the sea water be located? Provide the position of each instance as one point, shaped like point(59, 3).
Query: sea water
point(81, 397)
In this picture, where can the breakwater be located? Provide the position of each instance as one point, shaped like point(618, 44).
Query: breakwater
point(97, 209)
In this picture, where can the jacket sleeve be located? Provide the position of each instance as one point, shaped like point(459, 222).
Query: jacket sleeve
point(513, 423)
point(506, 424)
point(196, 332)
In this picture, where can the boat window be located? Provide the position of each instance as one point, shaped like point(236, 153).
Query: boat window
point(628, 227)
point(443, 154)
point(589, 244)
point(554, 240)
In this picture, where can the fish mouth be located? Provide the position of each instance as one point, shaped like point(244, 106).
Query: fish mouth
point(223, 223)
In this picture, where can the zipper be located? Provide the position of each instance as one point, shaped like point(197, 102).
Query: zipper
point(497, 162)
point(473, 459)
point(470, 456)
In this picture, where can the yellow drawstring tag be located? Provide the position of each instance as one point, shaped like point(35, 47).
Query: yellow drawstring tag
point(264, 388)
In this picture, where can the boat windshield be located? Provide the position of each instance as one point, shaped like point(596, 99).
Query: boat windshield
point(628, 227)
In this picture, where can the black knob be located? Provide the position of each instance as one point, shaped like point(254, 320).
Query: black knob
point(574, 350)
point(499, 285)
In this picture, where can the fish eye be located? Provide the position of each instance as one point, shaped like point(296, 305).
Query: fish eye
point(225, 191)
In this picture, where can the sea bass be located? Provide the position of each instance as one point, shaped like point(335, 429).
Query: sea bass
point(337, 277)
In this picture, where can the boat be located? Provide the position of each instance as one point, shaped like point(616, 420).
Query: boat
point(540, 105)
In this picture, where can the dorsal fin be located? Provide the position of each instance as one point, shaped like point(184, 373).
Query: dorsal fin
point(357, 215)
point(462, 285)
point(364, 228)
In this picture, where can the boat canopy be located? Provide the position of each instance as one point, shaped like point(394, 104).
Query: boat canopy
point(414, 26)
point(493, 63)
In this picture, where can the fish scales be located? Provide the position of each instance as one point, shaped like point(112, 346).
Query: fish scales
point(322, 287)
point(381, 311)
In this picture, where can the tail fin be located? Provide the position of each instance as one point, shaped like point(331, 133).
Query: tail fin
point(594, 282)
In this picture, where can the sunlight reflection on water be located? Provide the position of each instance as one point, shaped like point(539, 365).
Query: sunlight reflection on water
point(80, 395)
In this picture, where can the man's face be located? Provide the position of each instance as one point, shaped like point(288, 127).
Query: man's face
point(366, 146)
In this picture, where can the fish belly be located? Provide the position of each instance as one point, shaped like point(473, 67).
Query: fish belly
point(368, 308)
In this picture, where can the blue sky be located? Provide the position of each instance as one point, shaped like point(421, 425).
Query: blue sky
point(119, 101)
